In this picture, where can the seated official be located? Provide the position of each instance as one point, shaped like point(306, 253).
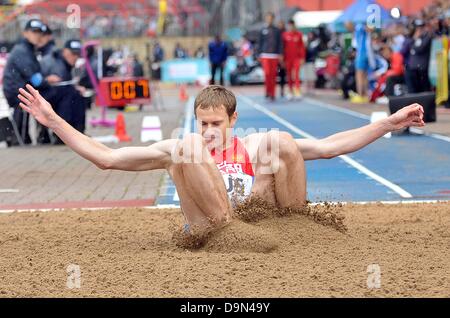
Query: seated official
point(65, 96)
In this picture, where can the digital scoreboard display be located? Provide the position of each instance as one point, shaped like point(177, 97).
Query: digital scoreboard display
point(121, 91)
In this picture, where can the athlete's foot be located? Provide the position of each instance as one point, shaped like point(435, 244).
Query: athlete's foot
point(196, 236)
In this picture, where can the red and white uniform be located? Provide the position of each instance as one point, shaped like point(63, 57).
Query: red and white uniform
point(294, 53)
point(236, 168)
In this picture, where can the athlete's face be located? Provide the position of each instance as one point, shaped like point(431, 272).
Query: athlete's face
point(215, 125)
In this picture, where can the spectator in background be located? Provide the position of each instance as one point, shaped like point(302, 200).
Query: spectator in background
point(381, 66)
point(179, 52)
point(282, 64)
point(246, 48)
point(23, 68)
point(419, 57)
point(85, 81)
point(158, 57)
point(294, 57)
point(407, 44)
point(200, 53)
point(447, 21)
point(395, 74)
point(363, 62)
point(323, 36)
point(138, 68)
point(270, 50)
point(66, 97)
point(47, 44)
point(218, 54)
point(386, 80)
point(348, 81)
point(398, 38)
point(158, 53)
point(309, 69)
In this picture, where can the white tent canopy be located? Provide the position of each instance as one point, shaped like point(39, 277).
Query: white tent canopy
point(312, 19)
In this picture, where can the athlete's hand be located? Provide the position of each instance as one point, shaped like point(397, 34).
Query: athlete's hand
point(33, 103)
point(408, 116)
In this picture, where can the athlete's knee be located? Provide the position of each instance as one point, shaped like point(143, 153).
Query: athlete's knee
point(282, 144)
point(288, 147)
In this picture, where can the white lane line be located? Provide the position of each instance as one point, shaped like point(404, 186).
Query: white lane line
point(378, 202)
point(9, 190)
point(362, 116)
point(336, 108)
point(350, 161)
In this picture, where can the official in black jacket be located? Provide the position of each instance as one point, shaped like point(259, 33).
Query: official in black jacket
point(270, 49)
point(23, 68)
point(47, 45)
point(419, 58)
point(66, 97)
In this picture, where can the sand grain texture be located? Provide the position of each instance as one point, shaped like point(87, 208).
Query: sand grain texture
point(131, 252)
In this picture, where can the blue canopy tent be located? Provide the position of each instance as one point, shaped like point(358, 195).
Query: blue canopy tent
point(363, 11)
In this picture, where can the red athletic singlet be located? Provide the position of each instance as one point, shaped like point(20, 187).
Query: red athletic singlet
point(236, 168)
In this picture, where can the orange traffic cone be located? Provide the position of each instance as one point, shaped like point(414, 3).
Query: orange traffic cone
point(121, 129)
point(183, 95)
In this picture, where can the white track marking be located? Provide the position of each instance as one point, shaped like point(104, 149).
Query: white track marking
point(350, 161)
point(379, 202)
point(362, 116)
point(9, 190)
point(336, 108)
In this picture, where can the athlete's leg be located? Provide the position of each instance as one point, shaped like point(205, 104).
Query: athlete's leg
point(266, 67)
point(280, 176)
point(199, 184)
point(296, 70)
point(289, 76)
point(273, 66)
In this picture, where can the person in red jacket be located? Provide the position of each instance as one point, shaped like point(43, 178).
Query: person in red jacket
point(394, 75)
point(294, 56)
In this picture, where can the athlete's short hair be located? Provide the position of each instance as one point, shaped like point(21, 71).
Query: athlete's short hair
point(215, 96)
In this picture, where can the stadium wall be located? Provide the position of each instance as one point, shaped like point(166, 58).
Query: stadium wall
point(139, 45)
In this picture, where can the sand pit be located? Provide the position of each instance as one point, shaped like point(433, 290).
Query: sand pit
point(131, 252)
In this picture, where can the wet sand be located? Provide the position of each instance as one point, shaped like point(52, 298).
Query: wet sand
point(132, 253)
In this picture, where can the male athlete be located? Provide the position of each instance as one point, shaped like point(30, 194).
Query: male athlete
point(267, 165)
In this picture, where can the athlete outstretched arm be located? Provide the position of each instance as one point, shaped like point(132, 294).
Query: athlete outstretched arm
point(355, 139)
point(156, 156)
point(201, 208)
